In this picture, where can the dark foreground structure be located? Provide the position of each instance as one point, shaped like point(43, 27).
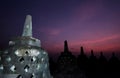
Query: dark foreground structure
point(83, 66)
point(66, 65)
point(24, 58)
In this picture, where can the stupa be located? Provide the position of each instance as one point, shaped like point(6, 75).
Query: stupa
point(25, 58)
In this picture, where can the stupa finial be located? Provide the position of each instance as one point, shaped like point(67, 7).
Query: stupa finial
point(66, 46)
point(27, 31)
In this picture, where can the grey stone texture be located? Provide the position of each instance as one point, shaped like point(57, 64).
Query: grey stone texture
point(25, 58)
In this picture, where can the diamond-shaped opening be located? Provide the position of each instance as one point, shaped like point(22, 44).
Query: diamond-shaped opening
point(8, 59)
point(1, 67)
point(26, 68)
point(21, 60)
point(33, 59)
point(32, 76)
point(19, 76)
point(13, 68)
point(27, 53)
point(38, 66)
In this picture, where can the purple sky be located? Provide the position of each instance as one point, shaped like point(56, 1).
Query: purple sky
point(94, 24)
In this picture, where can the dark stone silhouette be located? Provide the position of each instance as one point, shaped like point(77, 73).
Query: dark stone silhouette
point(82, 60)
point(102, 62)
point(66, 46)
point(67, 65)
point(92, 70)
point(114, 66)
point(66, 59)
point(92, 61)
point(102, 66)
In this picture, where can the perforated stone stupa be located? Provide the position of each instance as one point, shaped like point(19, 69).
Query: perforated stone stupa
point(24, 58)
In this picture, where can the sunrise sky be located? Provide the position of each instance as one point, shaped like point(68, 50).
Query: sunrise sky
point(94, 24)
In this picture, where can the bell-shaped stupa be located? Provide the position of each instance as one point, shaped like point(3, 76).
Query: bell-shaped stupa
point(25, 58)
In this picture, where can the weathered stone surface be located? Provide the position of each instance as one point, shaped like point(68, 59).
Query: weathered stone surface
point(27, 31)
point(25, 58)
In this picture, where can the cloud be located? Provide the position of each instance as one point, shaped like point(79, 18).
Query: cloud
point(102, 39)
point(49, 31)
point(96, 41)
